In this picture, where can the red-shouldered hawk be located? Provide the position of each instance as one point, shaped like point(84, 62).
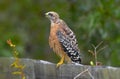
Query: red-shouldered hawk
point(62, 40)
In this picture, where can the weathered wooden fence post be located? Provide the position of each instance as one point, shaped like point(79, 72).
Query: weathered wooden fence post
point(39, 69)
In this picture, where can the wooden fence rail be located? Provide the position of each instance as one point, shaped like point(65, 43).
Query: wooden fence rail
point(39, 69)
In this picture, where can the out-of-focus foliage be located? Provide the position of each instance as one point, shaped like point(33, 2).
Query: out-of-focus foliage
point(23, 21)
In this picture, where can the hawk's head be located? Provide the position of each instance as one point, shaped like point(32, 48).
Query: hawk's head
point(53, 16)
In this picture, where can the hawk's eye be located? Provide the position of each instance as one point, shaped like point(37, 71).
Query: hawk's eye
point(50, 14)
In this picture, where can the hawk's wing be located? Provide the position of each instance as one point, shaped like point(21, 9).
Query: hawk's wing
point(69, 43)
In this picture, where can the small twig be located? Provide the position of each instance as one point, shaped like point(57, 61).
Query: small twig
point(80, 74)
point(99, 44)
point(91, 52)
point(93, 46)
point(102, 48)
point(96, 52)
point(86, 70)
point(90, 75)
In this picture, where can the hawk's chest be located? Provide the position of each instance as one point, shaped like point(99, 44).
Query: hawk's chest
point(53, 32)
point(53, 40)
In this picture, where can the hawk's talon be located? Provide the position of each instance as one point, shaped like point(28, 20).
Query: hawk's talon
point(60, 62)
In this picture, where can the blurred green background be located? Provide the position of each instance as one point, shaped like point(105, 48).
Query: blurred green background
point(93, 21)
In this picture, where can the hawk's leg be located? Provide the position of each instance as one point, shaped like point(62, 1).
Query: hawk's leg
point(61, 61)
